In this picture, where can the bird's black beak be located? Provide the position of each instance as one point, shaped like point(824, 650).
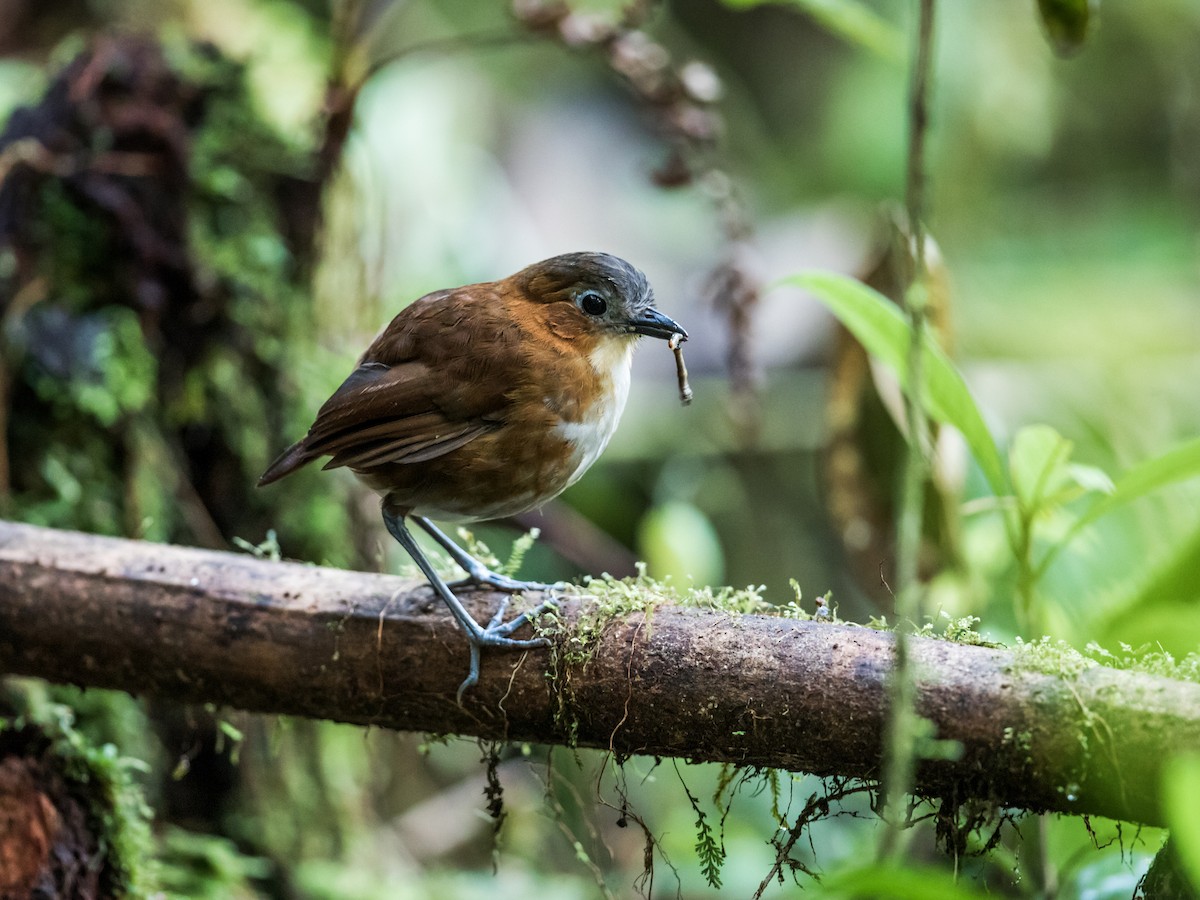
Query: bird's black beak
point(652, 323)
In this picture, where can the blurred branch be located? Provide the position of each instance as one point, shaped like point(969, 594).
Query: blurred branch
point(204, 626)
point(578, 540)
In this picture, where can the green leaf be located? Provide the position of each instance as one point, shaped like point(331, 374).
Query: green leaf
point(1037, 464)
point(848, 19)
point(521, 546)
point(1158, 608)
point(1179, 464)
point(1180, 796)
point(1091, 478)
point(1067, 23)
point(895, 882)
point(710, 852)
point(883, 330)
point(678, 541)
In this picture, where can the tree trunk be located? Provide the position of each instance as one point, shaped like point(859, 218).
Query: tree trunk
point(48, 844)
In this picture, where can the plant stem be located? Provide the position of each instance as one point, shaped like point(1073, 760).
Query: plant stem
point(902, 725)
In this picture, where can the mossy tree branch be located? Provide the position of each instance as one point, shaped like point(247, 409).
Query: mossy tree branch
point(199, 625)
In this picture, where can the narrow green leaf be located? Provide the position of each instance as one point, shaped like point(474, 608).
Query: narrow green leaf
point(883, 330)
point(1179, 464)
point(848, 19)
point(1180, 800)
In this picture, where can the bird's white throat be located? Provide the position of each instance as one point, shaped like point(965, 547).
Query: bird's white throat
point(611, 360)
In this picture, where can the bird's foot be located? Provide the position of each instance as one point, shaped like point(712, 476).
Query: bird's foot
point(481, 577)
point(497, 632)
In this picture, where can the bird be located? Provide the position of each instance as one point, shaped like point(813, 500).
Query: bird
point(486, 401)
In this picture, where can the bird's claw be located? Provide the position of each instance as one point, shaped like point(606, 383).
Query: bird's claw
point(503, 630)
point(483, 578)
point(497, 635)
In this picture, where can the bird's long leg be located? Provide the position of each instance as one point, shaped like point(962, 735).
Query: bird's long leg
point(494, 635)
point(479, 575)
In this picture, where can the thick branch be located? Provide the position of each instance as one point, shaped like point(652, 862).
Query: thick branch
point(197, 625)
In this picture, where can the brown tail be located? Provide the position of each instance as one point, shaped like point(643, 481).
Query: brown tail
point(288, 462)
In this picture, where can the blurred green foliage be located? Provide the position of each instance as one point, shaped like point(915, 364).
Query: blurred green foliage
point(207, 867)
point(1065, 199)
point(851, 20)
point(1067, 22)
point(1181, 789)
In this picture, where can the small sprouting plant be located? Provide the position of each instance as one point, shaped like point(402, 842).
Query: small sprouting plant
point(268, 548)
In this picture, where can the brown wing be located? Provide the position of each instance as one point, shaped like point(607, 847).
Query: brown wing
point(436, 378)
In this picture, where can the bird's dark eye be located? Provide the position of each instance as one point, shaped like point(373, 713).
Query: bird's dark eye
point(593, 304)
